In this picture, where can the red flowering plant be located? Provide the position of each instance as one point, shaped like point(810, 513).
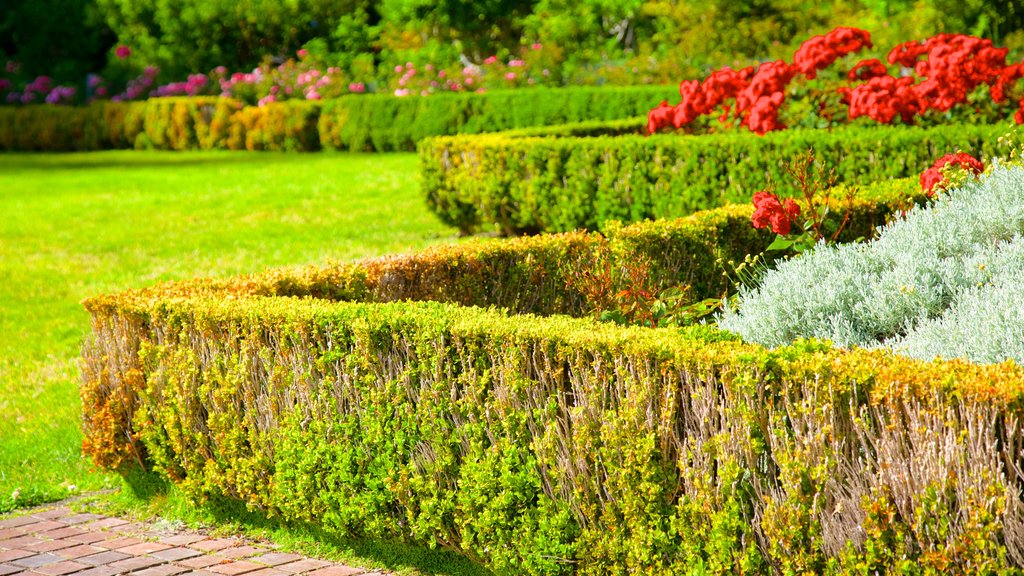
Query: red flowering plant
point(924, 81)
point(796, 229)
point(950, 171)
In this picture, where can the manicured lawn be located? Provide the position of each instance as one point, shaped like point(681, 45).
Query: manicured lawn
point(81, 224)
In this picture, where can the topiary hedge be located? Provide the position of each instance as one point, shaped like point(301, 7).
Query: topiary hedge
point(551, 445)
point(530, 184)
point(358, 122)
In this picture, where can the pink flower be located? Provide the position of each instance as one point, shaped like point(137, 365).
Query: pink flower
point(122, 52)
point(510, 76)
point(536, 46)
point(398, 69)
point(302, 53)
point(491, 60)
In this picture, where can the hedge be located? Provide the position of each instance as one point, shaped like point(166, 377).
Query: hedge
point(552, 445)
point(529, 184)
point(535, 274)
point(359, 122)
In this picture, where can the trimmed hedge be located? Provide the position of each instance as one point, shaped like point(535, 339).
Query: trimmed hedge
point(552, 445)
point(558, 446)
point(358, 123)
point(533, 274)
point(552, 184)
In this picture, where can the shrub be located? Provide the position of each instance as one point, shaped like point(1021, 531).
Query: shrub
point(941, 265)
point(556, 445)
point(358, 123)
point(381, 122)
point(555, 184)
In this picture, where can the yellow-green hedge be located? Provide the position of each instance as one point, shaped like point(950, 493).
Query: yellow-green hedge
point(551, 445)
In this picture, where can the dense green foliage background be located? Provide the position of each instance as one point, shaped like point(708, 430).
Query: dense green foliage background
point(586, 41)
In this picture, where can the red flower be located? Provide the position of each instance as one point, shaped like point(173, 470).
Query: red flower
point(769, 211)
point(932, 179)
point(820, 52)
point(122, 52)
point(867, 69)
point(660, 117)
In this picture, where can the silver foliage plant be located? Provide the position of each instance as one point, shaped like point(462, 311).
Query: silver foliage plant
point(947, 281)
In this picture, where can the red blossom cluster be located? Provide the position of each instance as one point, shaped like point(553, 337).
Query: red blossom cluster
point(867, 69)
point(938, 74)
point(882, 98)
point(820, 52)
point(932, 179)
point(770, 211)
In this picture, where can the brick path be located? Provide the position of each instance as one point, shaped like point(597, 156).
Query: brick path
point(59, 542)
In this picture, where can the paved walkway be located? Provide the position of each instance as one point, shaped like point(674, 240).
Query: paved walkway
point(59, 542)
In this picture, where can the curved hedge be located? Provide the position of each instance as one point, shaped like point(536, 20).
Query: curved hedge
point(525, 184)
point(550, 445)
point(357, 122)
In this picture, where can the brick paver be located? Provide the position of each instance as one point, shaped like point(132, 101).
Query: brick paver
point(61, 568)
point(234, 568)
point(59, 542)
point(102, 558)
point(276, 558)
point(240, 552)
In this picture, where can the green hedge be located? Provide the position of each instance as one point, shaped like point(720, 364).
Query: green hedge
point(530, 184)
point(550, 445)
point(536, 274)
point(358, 122)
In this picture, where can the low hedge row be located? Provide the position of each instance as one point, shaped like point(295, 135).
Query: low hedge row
point(541, 274)
point(359, 123)
point(530, 184)
point(551, 445)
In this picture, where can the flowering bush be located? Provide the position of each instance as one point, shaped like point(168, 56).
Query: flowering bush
point(531, 67)
point(934, 178)
point(935, 76)
point(291, 79)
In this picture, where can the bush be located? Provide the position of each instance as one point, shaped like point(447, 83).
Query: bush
point(557, 445)
point(931, 284)
point(531, 184)
point(358, 123)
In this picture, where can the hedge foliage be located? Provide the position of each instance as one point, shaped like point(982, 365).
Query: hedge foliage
point(530, 184)
point(551, 445)
point(358, 122)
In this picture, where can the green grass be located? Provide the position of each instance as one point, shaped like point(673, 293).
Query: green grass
point(77, 225)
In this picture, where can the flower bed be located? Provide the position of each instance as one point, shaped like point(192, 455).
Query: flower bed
point(942, 75)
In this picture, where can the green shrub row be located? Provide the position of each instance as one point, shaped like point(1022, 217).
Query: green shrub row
point(551, 445)
point(530, 184)
point(358, 123)
point(542, 274)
